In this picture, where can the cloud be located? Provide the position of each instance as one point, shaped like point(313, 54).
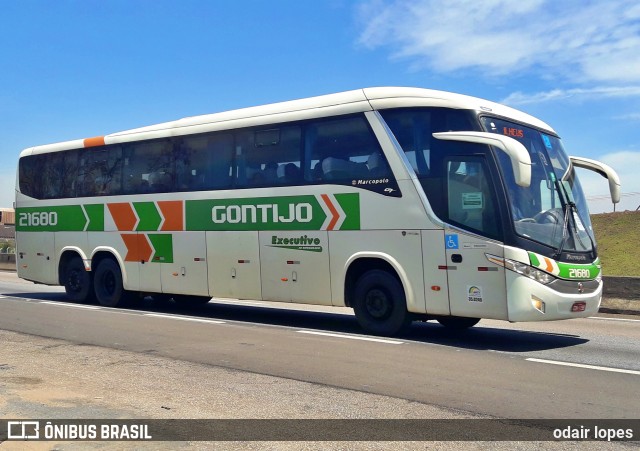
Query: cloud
point(590, 41)
point(634, 117)
point(520, 98)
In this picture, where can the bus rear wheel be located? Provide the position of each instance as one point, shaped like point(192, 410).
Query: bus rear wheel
point(458, 322)
point(380, 304)
point(108, 286)
point(77, 281)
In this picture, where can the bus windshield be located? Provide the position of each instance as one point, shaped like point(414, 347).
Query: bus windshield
point(552, 210)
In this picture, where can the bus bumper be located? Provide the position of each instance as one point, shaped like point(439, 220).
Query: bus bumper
point(528, 300)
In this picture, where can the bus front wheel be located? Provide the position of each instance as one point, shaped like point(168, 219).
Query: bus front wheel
point(77, 281)
point(380, 304)
point(108, 286)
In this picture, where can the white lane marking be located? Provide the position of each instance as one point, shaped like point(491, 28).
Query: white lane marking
point(16, 298)
point(65, 304)
point(615, 319)
point(283, 306)
point(184, 318)
point(229, 301)
point(590, 367)
point(351, 337)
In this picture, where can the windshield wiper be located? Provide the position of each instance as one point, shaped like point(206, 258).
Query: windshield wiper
point(569, 209)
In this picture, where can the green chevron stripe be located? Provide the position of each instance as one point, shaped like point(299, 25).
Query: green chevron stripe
point(95, 212)
point(162, 244)
point(150, 218)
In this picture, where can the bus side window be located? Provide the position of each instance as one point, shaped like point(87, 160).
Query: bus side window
point(69, 174)
point(29, 170)
point(204, 162)
point(100, 171)
point(269, 157)
point(341, 150)
point(149, 163)
point(220, 156)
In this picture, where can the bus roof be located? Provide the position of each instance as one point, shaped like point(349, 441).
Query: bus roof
point(312, 107)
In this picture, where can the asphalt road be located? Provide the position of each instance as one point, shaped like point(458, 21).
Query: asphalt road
point(583, 368)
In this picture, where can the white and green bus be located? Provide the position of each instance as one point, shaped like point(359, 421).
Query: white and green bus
point(402, 203)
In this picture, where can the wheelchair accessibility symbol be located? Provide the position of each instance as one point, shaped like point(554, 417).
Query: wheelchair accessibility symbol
point(451, 241)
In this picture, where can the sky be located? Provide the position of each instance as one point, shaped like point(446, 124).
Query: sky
point(76, 69)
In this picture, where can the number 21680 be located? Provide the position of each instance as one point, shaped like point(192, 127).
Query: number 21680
point(36, 219)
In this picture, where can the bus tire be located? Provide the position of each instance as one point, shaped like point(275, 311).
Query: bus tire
point(458, 322)
point(77, 281)
point(107, 284)
point(380, 304)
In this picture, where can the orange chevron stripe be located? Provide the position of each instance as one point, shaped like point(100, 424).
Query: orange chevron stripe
point(123, 215)
point(138, 247)
point(172, 212)
point(549, 267)
point(333, 211)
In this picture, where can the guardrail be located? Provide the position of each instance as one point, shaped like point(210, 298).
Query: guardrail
point(8, 262)
point(621, 287)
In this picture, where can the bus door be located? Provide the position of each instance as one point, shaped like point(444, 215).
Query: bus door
point(477, 287)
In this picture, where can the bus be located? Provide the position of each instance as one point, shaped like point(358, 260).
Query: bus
point(402, 203)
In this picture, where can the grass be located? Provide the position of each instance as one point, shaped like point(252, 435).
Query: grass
point(616, 235)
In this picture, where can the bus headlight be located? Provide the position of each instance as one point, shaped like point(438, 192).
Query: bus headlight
point(529, 271)
point(522, 268)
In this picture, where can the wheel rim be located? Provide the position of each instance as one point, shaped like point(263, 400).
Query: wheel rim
point(109, 283)
point(378, 304)
point(74, 281)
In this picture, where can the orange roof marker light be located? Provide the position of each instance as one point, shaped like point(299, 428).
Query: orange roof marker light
point(94, 142)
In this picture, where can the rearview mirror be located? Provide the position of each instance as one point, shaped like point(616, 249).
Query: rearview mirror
point(605, 171)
